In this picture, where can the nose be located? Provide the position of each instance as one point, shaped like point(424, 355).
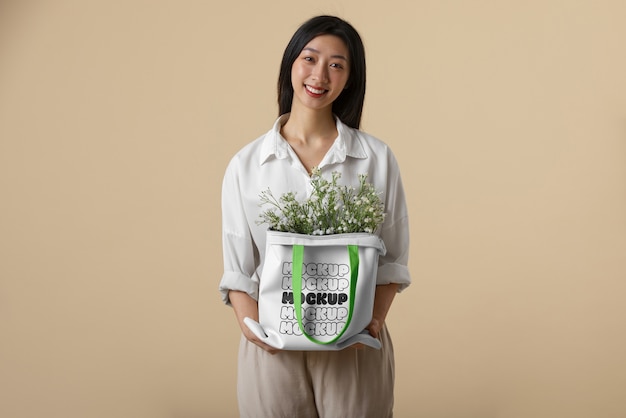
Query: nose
point(320, 72)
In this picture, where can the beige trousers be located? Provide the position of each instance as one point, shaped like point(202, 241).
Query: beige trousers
point(351, 383)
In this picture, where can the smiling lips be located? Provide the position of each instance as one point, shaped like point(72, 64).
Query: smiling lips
point(314, 92)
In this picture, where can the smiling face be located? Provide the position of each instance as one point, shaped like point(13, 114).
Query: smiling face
point(320, 73)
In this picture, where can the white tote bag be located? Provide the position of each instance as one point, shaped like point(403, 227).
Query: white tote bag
point(317, 292)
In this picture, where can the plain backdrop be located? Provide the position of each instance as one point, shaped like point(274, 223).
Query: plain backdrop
point(117, 120)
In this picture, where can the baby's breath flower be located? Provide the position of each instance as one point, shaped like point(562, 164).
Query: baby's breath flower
point(330, 209)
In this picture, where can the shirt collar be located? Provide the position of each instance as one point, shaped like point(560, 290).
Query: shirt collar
point(347, 144)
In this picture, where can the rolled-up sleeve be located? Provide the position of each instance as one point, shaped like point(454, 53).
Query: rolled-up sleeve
point(393, 266)
point(237, 244)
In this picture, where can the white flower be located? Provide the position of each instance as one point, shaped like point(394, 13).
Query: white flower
point(330, 209)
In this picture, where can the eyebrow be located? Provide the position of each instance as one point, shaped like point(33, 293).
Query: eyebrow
point(317, 52)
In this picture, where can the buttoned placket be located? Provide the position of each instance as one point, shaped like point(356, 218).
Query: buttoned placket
point(297, 165)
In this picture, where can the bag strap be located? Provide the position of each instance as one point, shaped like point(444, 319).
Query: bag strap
point(296, 282)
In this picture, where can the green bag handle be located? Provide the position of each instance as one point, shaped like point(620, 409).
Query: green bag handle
point(296, 282)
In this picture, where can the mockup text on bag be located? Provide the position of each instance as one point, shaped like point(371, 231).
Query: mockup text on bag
point(325, 291)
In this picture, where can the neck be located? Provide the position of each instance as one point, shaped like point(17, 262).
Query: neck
point(309, 124)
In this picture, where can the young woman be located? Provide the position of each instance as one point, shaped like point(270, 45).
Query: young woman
point(321, 89)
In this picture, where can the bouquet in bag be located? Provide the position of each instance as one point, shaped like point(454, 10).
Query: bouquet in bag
point(331, 208)
point(319, 276)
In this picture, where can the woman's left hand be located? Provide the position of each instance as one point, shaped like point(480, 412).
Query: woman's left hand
point(382, 302)
point(374, 327)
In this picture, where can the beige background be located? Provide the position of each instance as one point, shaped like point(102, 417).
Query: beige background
point(117, 119)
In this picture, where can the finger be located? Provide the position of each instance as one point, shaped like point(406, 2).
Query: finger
point(374, 328)
point(268, 348)
point(264, 346)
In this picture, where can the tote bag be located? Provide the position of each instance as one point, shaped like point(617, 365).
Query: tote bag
point(317, 292)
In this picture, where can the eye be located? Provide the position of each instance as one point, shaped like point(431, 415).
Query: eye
point(309, 59)
point(336, 65)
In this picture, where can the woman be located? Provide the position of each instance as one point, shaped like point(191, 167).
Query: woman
point(321, 89)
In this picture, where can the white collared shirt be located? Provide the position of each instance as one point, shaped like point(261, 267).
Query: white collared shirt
point(270, 162)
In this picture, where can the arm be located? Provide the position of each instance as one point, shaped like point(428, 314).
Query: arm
point(393, 275)
point(382, 302)
point(246, 306)
point(237, 286)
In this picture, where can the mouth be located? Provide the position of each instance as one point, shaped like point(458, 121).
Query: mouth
point(315, 91)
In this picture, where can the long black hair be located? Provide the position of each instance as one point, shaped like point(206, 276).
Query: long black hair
point(349, 105)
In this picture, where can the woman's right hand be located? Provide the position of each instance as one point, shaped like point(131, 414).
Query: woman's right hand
point(245, 306)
